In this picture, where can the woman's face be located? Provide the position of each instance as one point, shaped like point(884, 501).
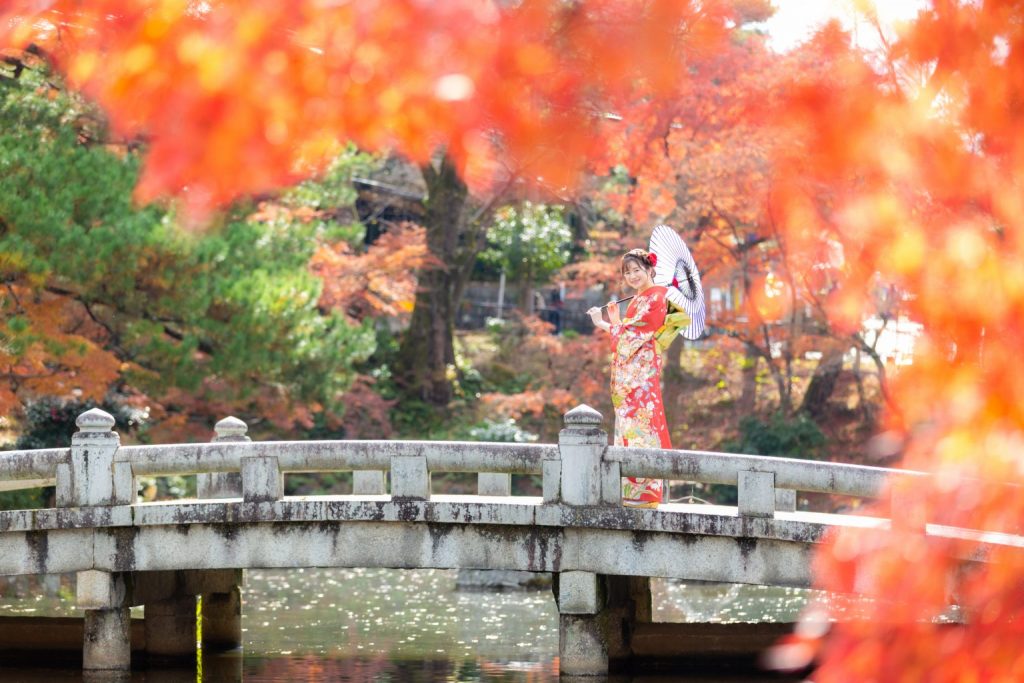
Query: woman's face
point(636, 276)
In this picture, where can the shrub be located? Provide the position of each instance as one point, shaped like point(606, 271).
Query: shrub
point(795, 437)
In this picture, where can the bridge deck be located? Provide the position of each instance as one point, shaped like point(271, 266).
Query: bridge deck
point(687, 541)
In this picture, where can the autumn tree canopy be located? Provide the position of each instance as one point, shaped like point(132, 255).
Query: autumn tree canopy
point(99, 294)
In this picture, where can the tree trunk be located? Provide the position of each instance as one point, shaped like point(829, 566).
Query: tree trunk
point(783, 380)
point(748, 393)
point(823, 382)
point(427, 350)
point(525, 297)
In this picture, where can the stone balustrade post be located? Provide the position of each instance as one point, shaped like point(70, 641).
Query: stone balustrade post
point(223, 484)
point(580, 472)
point(581, 447)
point(92, 477)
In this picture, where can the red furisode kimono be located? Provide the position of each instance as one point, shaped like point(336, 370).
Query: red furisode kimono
point(636, 388)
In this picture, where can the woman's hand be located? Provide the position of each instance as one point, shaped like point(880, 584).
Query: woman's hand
point(613, 313)
point(599, 323)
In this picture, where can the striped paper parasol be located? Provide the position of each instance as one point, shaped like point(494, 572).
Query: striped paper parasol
point(676, 270)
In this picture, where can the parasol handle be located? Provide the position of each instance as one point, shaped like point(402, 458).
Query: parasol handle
point(613, 303)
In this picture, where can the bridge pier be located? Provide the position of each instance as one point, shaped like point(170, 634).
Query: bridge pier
point(222, 620)
point(582, 641)
point(107, 645)
point(597, 618)
point(628, 604)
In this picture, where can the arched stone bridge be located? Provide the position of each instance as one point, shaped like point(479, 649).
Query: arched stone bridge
point(602, 555)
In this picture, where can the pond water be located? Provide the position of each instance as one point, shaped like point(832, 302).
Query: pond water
point(412, 625)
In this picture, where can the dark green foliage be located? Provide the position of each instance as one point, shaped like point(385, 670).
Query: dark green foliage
point(320, 483)
point(794, 437)
point(25, 499)
point(236, 302)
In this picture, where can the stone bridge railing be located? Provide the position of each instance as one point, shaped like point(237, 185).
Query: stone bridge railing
point(580, 470)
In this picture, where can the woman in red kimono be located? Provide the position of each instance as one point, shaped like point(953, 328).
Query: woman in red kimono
point(636, 371)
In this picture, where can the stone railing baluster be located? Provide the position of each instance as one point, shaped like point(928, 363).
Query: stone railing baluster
point(410, 479)
point(756, 495)
point(551, 477)
point(494, 484)
point(262, 480)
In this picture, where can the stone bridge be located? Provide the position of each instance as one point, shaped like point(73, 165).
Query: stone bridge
point(602, 555)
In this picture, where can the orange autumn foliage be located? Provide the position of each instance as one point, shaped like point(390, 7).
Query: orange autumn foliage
point(379, 282)
point(702, 161)
point(50, 347)
point(573, 371)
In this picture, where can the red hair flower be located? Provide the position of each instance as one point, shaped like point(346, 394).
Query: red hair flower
point(653, 258)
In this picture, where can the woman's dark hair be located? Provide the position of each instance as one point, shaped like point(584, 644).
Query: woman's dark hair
point(640, 257)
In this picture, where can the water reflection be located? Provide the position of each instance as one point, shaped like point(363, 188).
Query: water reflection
point(400, 614)
point(412, 625)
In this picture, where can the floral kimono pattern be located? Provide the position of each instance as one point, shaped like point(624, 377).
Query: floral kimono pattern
point(636, 388)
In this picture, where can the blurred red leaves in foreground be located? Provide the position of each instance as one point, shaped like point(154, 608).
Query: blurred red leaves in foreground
point(238, 96)
point(910, 159)
point(923, 158)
